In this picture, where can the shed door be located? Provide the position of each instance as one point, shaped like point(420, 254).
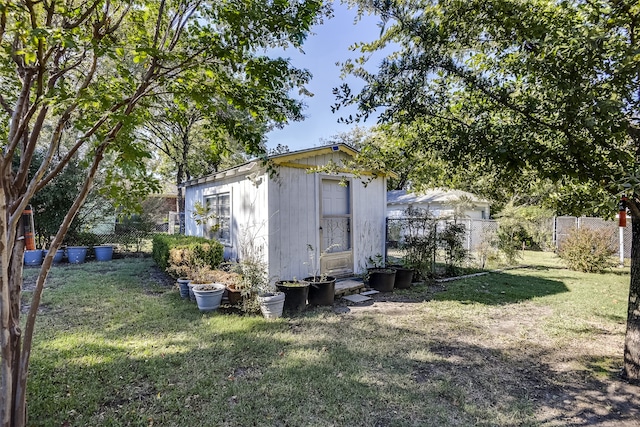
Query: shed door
point(335, 228)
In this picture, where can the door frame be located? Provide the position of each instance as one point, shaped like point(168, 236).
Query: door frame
point(332, 257)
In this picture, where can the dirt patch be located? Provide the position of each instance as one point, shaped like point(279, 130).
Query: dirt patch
point(505, 355)
point(160, 277)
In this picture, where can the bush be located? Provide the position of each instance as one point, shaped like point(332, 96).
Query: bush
point(74, 238)
point(451, 240)
point(588, 250)
point(171, 252)
point(419, 240)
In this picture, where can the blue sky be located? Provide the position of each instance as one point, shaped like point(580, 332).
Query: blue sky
point(329, 44)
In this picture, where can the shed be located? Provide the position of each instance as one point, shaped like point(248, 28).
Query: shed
point(296, 216)
point(440, 202)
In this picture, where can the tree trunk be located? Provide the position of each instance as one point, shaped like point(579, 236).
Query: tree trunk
point(180, 200)
point(631, 370)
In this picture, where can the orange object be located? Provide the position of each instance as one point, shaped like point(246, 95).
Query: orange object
point(622, 212)
point(28, 227)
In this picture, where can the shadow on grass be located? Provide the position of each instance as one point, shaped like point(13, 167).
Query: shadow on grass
point(326, 370)
point(497, 289)
point(163, 363)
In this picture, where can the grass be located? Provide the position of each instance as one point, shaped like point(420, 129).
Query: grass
point(116, 346)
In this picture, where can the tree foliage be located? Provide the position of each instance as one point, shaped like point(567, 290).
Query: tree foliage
point(77, 78)
point(523, 88)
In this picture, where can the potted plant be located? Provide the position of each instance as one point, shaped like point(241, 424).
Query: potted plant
point(77, 254)
point(404, 276)
point(180, 262)
point(233, 283)
point(296, 294)
point(78, 245)
point(380, 277)
point(33, 257)
point(103, 252)
point(257, 293)
point(208, 294)
point(183, 286)
point(57, 257)
point(322, 288)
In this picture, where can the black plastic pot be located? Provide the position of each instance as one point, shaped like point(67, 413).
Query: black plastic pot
point(295, 295)
point(404, 277)
point(382, 279)
point(321, 292)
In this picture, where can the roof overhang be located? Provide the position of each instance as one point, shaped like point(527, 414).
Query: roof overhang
point(290, 160)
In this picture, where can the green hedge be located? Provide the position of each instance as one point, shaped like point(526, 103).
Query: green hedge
point(208, 251)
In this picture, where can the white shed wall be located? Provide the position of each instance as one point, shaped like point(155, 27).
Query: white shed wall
point(369, 213)
point(294, 212)
point(249, 201)
point(293, 222)
point(281, 215)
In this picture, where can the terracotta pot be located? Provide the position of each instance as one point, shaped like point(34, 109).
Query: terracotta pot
point(234, 295)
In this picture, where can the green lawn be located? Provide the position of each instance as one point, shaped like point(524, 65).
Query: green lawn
point(116, 346)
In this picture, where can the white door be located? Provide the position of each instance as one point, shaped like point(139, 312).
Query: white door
point(336, 257)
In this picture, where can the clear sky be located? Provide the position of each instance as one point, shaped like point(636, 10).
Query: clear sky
point(329, 44)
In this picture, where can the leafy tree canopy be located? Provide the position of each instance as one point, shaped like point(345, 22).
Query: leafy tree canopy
point(541, 88)
point(78, 77)
point(534, 89)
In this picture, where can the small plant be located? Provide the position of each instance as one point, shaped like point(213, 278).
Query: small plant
point(450, 239)
point(315, 262)
point(485, 251)
point(509, 243)
point(253, 270)
point(200, 273)
point(588, 250)
point(419, 241)
point(207, 287)
point(228, 278)
point(376, 262)
point(202, 215)
point(253, 283)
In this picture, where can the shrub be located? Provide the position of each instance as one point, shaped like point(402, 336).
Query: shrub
point(175, 253)
point(588, 250)
point(451, 240)
point(509, 243)
point(419, 240)
point(76, 238)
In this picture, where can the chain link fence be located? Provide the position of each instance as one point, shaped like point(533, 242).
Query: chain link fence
point(477, 235)
point(480, 234)
point(563, 225)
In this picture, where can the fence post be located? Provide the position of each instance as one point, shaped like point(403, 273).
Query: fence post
point(386, 239)
point(621, 246)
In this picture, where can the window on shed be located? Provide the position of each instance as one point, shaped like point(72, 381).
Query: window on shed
point(219, 205)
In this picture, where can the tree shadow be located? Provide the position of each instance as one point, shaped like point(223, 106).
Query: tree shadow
point(495, 289)
point(322, 369)
point(319, 368)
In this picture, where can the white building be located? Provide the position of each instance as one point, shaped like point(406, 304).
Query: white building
point(284, 212)
point(440, 202)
